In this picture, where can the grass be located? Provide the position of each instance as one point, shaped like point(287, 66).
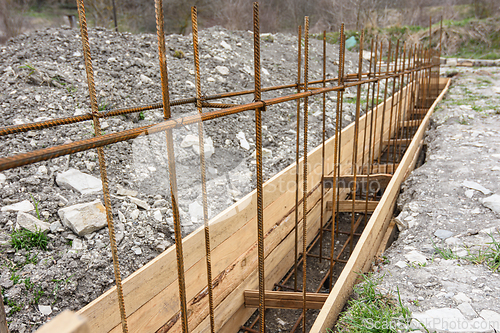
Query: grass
point(35, 203)
point(490, 256)
point(373, 311)
point(25, 239)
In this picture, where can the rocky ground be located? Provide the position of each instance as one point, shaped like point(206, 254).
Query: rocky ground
point(42, 76)
point(444, 262)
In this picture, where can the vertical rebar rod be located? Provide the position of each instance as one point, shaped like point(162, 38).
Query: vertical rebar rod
point(208, 255)
point(336, 154)
point(297, 157)
point(304, 186)
point(384, 107)
point(367, 107)
point(102, 161)
point(376, 107)
point(399, 109)
point(323, 152)
point(392, 104)
point(258, 150)
point(355, 141)
point(372, 110)
point(171, 164)
point(341, 104)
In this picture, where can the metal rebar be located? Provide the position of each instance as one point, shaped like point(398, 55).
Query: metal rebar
point(171, 165)
point(102, 162)
point(258, 150)
point(396, 55)
point(199, 104)
point(323, 152)
point(297, 157)
point(355, 141)
point(304, 188)
point(336, 152)
point(385, 104)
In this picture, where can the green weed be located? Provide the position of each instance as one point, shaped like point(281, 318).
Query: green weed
point(25, 239)
point(178, 54)
point(373, 311)
point(36, 202)
point(445, 253)
point(141, 115)
point(28, 66)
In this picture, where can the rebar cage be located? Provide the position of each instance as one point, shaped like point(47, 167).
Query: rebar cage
point(336, 185)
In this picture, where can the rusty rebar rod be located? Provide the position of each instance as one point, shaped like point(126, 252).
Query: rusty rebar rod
point(199, 104)
point(304, 186)
point(297, 158)
point(102, 162)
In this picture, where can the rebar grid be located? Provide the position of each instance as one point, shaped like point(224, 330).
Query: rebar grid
point(413, 70)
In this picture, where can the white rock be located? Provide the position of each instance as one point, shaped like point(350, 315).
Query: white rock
point(492, 317)
point(196, 212)
point(209, 147)
point(23, 206)
point(45, 309)
point(134, 214)
point(140, 203)
point(56, 226)
point(190, 84)
point(448, 320)
point(121, 217)
point(443, 234)
point(225, 45)
point(401, 264)
point(78, 245)
point(469, 194)
point(492, 202)
point(84, 218)
point(157, 215)
point(400, 220)
point(223, 70)
point(461, 298)
point(137, 250)
point(78, 112)
point(162, 246)
point(42, 170)
point(495, 168)
point(265, 153)
point(467, 310)
point(119, 231)
point(189, 140)
point(452, 62)
point(416, 256)
point(79, 181)
point(104, 125)
point(145, 79)
point(31, 223)
point(265, 71)
point(243, 141)
point(476, 186)
point(3, 179)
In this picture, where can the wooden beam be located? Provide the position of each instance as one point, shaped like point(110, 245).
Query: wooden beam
point(345, 206)
point(285, 299)
point(382, 168)
point(369, 242)
point(377, 181)
point(419, 111)
point(65, 322)
point(410, 123)
point(3, 317)
point(397, 141)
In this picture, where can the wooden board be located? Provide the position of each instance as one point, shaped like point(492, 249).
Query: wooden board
point(373, 233)
point(67, 321)
point(285, 299)
point(345, 206)
point(347, 181)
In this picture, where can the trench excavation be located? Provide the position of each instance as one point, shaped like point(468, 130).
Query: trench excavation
point(245, 267)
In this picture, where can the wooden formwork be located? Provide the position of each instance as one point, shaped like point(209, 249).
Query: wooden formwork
point(151, 293)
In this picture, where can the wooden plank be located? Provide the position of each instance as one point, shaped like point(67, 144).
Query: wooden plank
point(388, 234)
point(377, 181)
point(285, 299)
point(345, 206)
point(397, 141)
point(3, 317)
point(410, 123)
point(66, 322)
point(420, 111)
point(371, 236)
point(382, 168)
